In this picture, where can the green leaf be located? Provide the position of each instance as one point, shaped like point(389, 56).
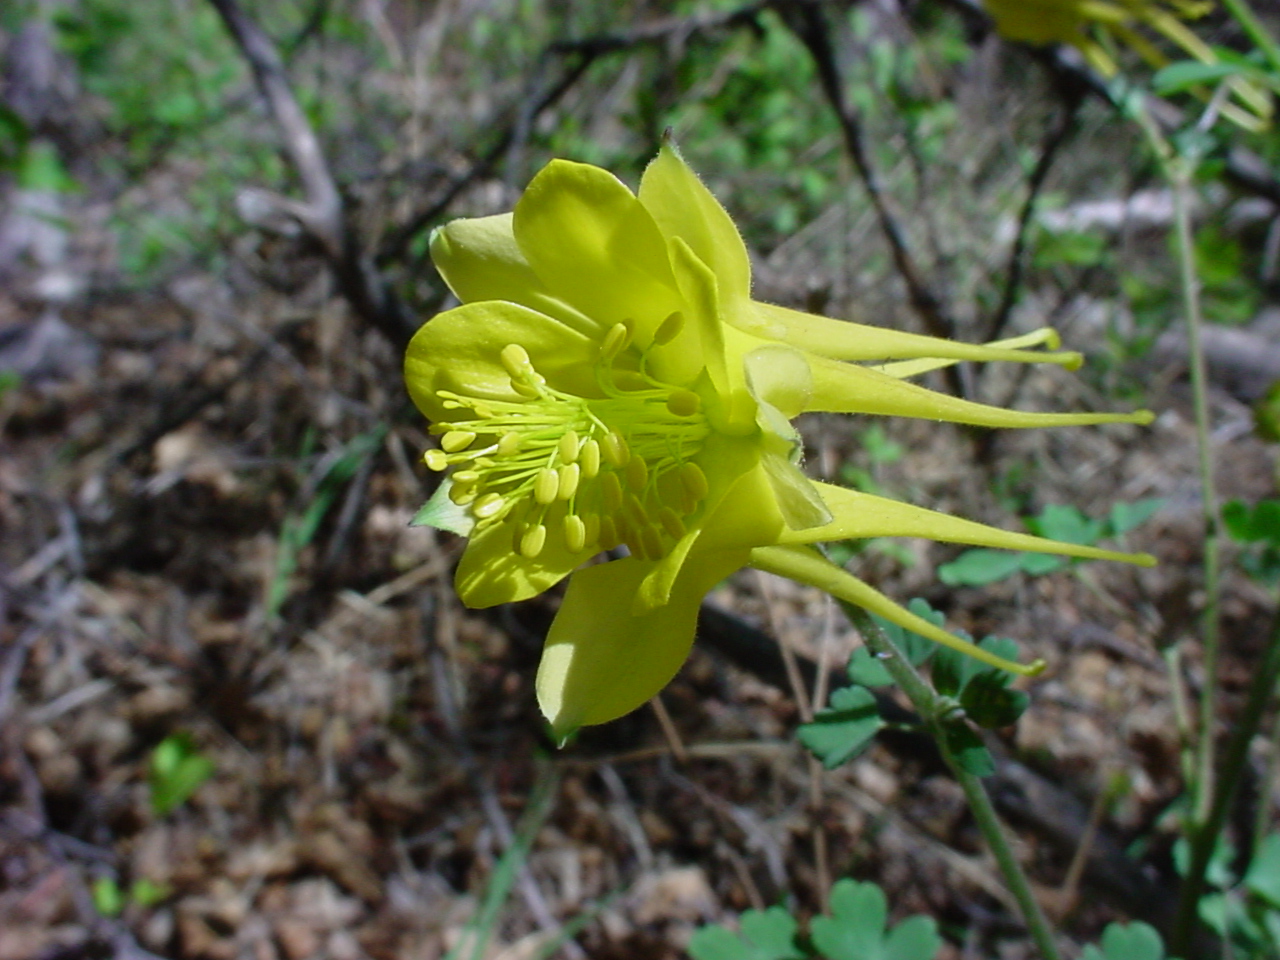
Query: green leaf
point(1248, 524)
point(1180, 76)
point(856, 928)
point(108, 898)
point(1263, 877)
point(1135, 941)
point(844, 729)
point(977, 568)
point(766, 935)
point(443, 514)
point(177, 771)
point(1068, 524)
point(966, 746)
point(990, 703)
point(1128, 516)
point(40, 169)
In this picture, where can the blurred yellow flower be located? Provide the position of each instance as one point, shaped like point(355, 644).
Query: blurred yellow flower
point(1095, 27)
point(609, 382)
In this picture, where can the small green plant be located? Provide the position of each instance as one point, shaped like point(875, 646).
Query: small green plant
point(855, 930)
point(979, 693)
point(110, 899)
point(1243, 911)
point(176, 772)
point(1134, 941)
point(1257, 529)
point(977, 568)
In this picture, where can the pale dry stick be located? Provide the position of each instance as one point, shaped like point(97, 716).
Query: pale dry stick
point(669, 731)
point(1068, 893)
point(806, 709)
point(625, 812)
point(443, 671)
point(743, 873)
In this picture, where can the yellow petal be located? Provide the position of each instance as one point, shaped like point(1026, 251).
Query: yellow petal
point(847, 388)
point(588, 238)
point(905, 369)
point(491, 572)
point(684, 208)
point(806, 565)
point(842, 340)
point(459, 349)
point(600, 662)
point(862, 516)
point(700, 344)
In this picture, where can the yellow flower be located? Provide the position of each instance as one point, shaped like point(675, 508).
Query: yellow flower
point(1092, 26)
point(608, 381)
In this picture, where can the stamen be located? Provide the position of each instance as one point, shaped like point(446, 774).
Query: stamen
point(456, 440)
point(568, 447)
point(611, 491)
point(637, 474)
point(694, 480)
point(669, 329)
point(546, 486)
point(575, 533)
point(651, 543)
point(435, 459)
point(568, 478)
point(508, 444)
point(615, 341)
point(615, 449)
point(589, 457)
point(671, 523)
point(684, 403)
point(516, 361)
point(533, 540)
point(487, 506)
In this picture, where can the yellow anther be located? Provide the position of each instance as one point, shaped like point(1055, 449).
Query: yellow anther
point(440, 427)
point(568, 447)
point(568, 485)
point(669, 329)
point(637, 473)
point(487, 506)
point(508, 444)
point(694, 480)
point(634, 511)
point(546, 485)
point(516, 361)
point(436, 459)
point(532, 540)
point(615, 341)
point(593, 529)
point(671, 522)
point(456, 440)
point(462, 494)
point(608, 533)
point(611, 491)
point(589, 457)
point(527, 390)
point(575, 533)
point(652, 543)
point(615, 449)
point(684, 403)
point(466, 477)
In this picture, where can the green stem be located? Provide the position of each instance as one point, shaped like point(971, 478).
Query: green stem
point(932, 708)
point(1204, 834)
point(1179, 172)
point(1254, 27)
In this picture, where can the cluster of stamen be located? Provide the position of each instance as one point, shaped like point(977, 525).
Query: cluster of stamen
point(595, 473)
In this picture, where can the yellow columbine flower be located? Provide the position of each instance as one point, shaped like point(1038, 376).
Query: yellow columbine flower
point(608, 381)
point(1092, 25)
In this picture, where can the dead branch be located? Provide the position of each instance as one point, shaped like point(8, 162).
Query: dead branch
point(322, 214)
point(807, 21)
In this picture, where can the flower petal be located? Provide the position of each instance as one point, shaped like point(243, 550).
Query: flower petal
point(491, 572)
point(862, 516)
point(459, 351)
point(806, 565)
point(684, 208)
point(600, 662)
point(844, 340)
point(479, 260)
point(847, 388)
point(589, 239)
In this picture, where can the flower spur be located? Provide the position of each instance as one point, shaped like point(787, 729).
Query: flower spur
point(609, 382)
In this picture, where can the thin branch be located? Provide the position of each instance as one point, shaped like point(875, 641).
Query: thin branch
point(806, 20)
point(1072, 95)
point(322, 214)
point(578, 56)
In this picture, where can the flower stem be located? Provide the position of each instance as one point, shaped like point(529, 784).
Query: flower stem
point(1179, 172)
point(932, 707)
point(1204, 834)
